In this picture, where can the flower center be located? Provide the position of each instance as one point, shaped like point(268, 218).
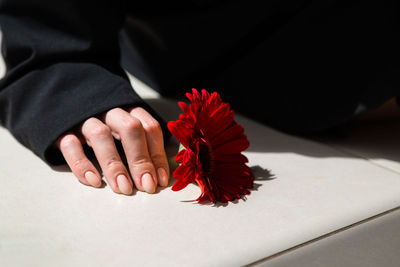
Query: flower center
point(203, 152)
point(205, 157)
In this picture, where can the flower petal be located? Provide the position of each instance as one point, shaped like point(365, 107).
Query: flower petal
point(235, 131)
point(213, 144)
point(182, 133)
point(183, 179)
point(234, 146)
point(236, 158)
point(179, 185)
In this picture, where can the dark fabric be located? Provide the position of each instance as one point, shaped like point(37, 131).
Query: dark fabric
point(328, 63)
point(62, 60)
point(299, 66)
point(186, 43)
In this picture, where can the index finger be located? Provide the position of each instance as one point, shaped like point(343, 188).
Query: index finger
point(155, 143)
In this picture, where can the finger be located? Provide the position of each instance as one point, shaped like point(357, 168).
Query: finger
point(133, 141)
point(155, 143)
point(71, 148)
point(102, 142)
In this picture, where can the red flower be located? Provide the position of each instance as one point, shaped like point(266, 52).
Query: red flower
point(213, 144)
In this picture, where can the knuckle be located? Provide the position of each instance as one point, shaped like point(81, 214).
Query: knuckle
point(78, 164)
point(139, 161)
point(68, 141)
point(114, 164)
point(90, 122)
point(131, 124)
point(158, 158)
point(117, 109)
point(99, 130)
point(152, 126)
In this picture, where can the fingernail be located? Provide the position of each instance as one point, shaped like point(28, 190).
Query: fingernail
point(162, 177)
point(124, 185)
point(92, 179)
point(148, 183)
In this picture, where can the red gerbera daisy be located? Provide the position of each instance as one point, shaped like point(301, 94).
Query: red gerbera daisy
point(213, 144)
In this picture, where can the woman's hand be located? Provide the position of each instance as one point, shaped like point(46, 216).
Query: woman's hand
point(143, 144)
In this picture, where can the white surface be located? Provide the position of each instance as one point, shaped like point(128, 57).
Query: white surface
point(371, 244)
point(141, 88)
point(50, 219)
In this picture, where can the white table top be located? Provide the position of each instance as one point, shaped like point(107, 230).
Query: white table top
point(47, 218)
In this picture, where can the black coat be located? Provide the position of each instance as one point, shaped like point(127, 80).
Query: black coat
point(299, 66)
point(62, 61)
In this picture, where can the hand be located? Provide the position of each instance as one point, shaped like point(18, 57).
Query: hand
point(143, 144)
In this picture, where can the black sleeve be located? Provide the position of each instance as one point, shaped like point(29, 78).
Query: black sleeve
point(62, 67)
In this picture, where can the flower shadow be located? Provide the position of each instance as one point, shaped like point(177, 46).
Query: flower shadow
point(260, 174)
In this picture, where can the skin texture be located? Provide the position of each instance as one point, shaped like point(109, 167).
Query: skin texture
point(142, 141)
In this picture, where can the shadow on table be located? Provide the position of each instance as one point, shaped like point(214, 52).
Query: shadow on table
point(260, 174)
